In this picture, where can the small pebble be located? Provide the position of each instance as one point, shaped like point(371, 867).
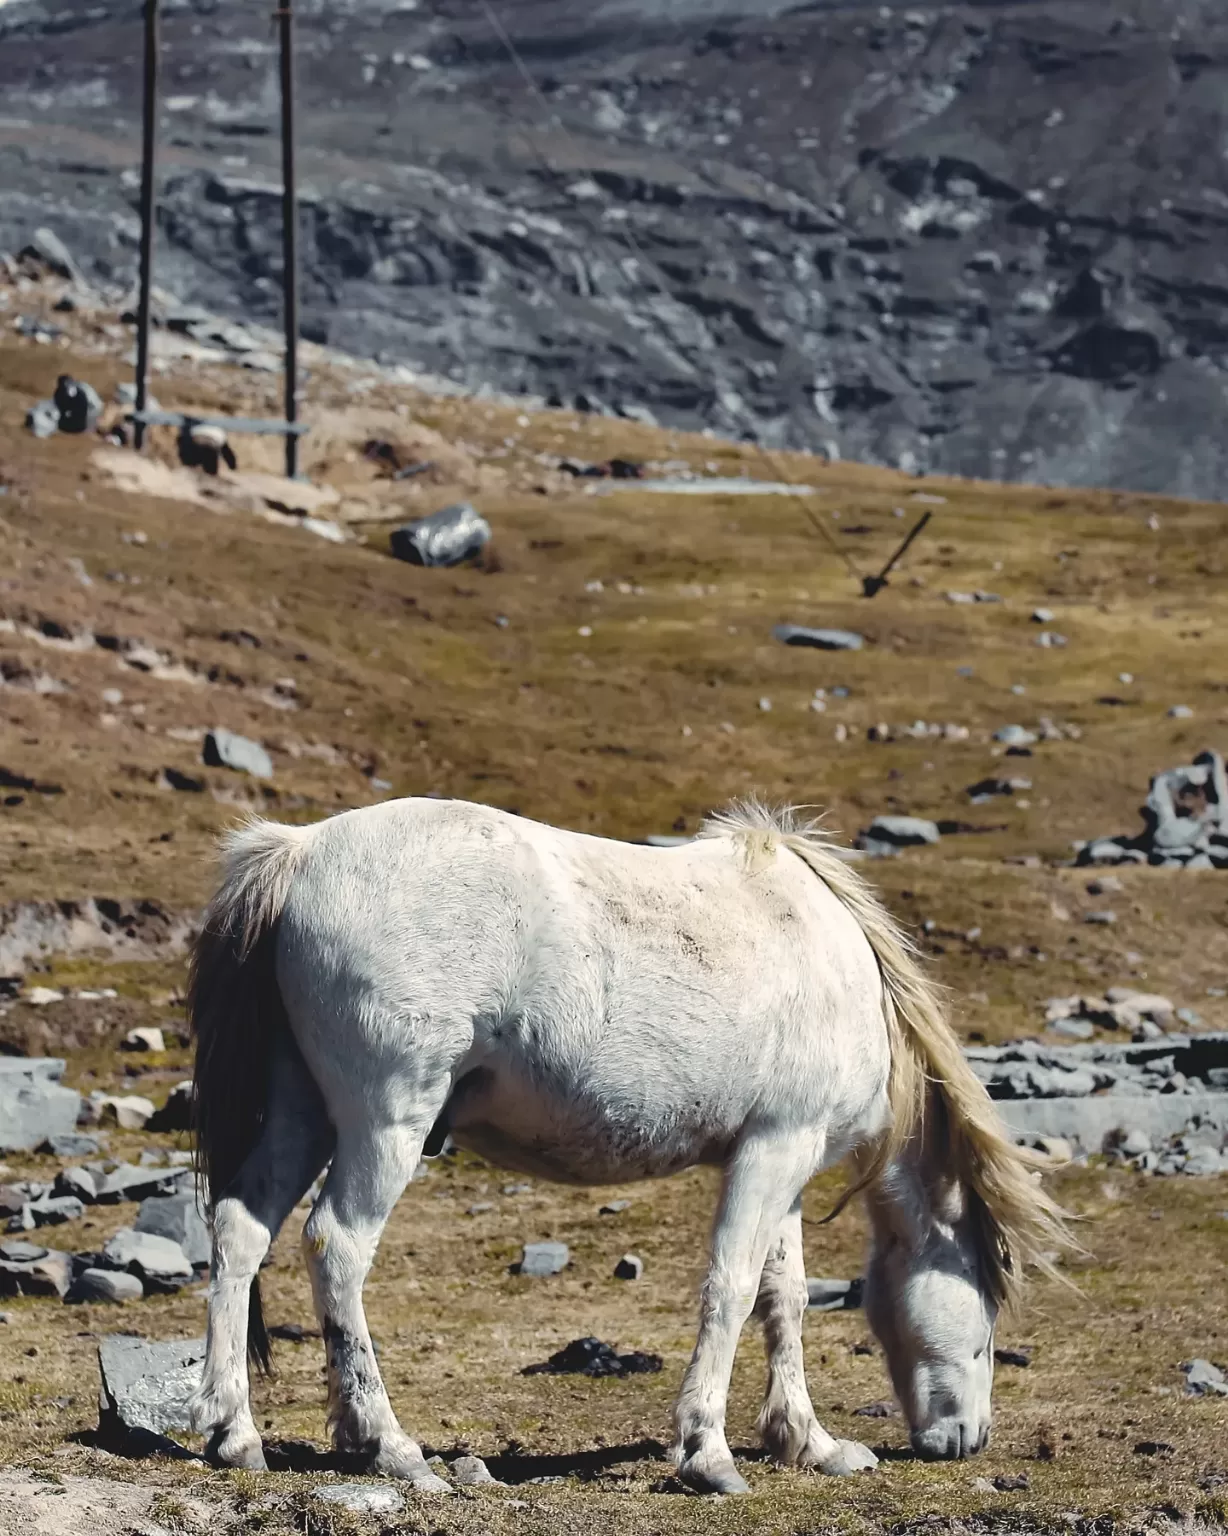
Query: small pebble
point(1180, 712)
point(613, 1207)
point(1104, 919)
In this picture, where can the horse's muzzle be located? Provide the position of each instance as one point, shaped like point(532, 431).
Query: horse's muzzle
point(950, 1440)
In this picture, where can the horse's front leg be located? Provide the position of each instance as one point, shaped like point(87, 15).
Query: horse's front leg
point(787, 1424)
point(762, 1181)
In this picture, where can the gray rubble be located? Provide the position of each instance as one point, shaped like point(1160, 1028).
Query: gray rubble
point(1185, 822)
point(1170, 1095)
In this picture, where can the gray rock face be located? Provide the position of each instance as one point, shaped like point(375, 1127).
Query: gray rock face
point(820, 639)
point(447, 537)
point(223, 749)
point(179, 1218)
point(158, 1261)
point(105, 1285)
point(543, 1259)
point(917, 236)
point(147, 1386)
point(34, 1105)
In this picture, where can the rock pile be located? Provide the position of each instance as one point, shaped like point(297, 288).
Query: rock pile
point(1164, 1099)
point(1146, 1015)
point(1185, 822)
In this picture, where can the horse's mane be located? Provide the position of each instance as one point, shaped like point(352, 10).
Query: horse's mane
point(1016, 1222)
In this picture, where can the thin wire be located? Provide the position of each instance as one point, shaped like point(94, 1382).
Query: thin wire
point(649, 270)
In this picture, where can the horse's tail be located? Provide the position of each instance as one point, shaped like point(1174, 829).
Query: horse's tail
point(236, 1012)
point(1022, 1224)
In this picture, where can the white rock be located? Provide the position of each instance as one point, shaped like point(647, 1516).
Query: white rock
point(147, 1038)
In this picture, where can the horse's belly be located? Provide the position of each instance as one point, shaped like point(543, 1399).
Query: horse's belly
point(577, 1140)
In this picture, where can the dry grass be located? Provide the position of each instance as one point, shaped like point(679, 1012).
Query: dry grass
point(403, 674)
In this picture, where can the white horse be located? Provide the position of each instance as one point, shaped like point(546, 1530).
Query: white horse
point(594, 1012)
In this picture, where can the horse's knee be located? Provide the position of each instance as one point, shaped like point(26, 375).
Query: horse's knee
point(240, 1239)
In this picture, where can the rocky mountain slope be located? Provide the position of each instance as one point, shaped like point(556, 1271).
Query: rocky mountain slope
point(986, 238)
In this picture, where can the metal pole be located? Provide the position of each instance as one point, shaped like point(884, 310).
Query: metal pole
point(149, 133)
point(289, 230)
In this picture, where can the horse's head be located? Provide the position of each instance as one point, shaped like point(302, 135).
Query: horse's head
point(930, 1298)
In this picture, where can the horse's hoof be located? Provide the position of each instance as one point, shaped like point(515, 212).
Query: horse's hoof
point(224, 1451)
point(847, 1457)
point(408, 1468)
point(714, 1477)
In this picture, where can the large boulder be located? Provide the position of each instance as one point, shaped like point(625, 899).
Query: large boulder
point(146, 1386)
point(50, 1274)
point(34, 1105)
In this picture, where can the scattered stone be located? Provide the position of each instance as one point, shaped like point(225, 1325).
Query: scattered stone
point(132, 1183)
point(986, 789)
point(1015, 1482)
point(614, 1207)
point(146, 1388)
point(629, 1267)
point(1049, 639)
point(1202, 1379)
point(53, 1210)
point(543, 1259)
point(833, 1295)
point(105, 1285)
point(479, 1208)
point(593, 1357)
point(1022, 1357)
point(20, 1252)
point(128, 1111)
point(179, 1218)
point(1014, 736)
point(362, 1498)
point(158, 1261)
point(223, 749)
point(50, 1275)
point(448, 537)
point(1073, 1029)
point(517, 1189)
point(1180, 712)
point(820, 639)
point(293, 1333)
point(146, 1038)
point(883, 1409)
point(472, 1472)
point(34, 1106)
point(177, 1113)
point(886, 835)
point(1107, 885)
point(1102, 919)
point(79, 405)
point(71, 1144)
point(43, 419)
point(1042, 615)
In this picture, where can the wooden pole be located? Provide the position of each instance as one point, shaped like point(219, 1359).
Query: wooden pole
point(285, 20)
point(149, 135)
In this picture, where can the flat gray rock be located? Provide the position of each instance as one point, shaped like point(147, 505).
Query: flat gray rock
point(362, 1498)
point(106, 1285)
point(52, 1210)
point(543, 1259)
point(34, 1105)
point(472, 1472)
point(819, 639)
point(833, 1295)
point(128, 1182)
point(902, 831)
point(223, 749)
point(147, 1386)
point(157, 1260)
point(72, 1144)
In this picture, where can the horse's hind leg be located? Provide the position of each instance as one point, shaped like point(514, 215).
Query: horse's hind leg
point(295, 1142)
point(372, 1166)
point(761, 1183)
point(787, 1424)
